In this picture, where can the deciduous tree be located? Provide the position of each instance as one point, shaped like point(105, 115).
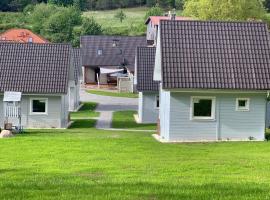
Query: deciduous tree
point(120, 15)
point(224, 9)
point(267, 5)
point(154, 11)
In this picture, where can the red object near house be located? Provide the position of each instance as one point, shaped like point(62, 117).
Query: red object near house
point(21, 35)
point(156, 19)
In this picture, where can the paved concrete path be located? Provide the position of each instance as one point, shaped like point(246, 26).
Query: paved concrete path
point(107, 105)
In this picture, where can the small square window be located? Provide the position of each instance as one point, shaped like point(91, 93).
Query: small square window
point(38, 106)
point(157, 102)
point(242, 104)
point(30, 40)
point(99, 52)
point(203, 108)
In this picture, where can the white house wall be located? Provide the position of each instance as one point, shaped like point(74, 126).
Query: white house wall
point(148, 113)
point(151, 31)
point(241, 125)
point(64, 110)
point(74, 96)
point(89, 75)
point(229, 124)
point(77, 102)
point(157, 69)
point(164, 114)
point(53, 118)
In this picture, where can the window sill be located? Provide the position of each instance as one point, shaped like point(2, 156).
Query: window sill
point(38, 113)
point(242, 110)
point(203, 119)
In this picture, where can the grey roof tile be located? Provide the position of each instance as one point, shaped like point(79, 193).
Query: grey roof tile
point(145, 69)
point(124, 52)
point(77, 63)
point(34, 68)
point(215, 55)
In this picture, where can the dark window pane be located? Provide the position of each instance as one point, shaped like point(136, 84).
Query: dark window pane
point(202, 107)
point(157, 101)
point(242, 103)
point(39, 106)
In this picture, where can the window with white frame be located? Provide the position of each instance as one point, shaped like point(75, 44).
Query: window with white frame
point(242, 104)
point(38, 106)
point(99, 52)
point(157, 102)
point(203, 108)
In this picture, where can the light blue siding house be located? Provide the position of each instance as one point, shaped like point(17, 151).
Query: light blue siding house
point(44, 74)
point(215, 78)
point(148, 109)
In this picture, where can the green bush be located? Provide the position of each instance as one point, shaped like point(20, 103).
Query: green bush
point(267, 135)
point(154, 11)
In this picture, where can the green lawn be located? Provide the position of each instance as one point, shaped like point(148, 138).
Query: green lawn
point(132, 25)
point(125, 120)
point(84, 163)
point(113, 94)
point(86, 111)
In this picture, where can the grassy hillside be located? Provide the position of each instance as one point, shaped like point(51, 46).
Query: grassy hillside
point(132, 25)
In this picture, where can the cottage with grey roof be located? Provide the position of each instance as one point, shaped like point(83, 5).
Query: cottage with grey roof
point(148, 109)
point(215, 78)
point(43, 74)
point(105, 58)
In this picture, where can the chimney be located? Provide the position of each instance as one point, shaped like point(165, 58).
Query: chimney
point(169, 14)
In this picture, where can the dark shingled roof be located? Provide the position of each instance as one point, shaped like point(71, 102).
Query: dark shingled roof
point(124, 52)
point(145, 69)
point(34, 68)
point(77, 63)
point(215, 55)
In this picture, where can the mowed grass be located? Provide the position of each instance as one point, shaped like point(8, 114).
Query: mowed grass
point(86, 111)
point(85, 163)
point(133, 25)
point(113, 94)
point(125, 120)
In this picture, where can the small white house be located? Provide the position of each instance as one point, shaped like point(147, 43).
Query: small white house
point(215, 79)
point(42, 73)
point(148, 109)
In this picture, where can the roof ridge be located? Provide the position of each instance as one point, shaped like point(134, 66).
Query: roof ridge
point(112, 36)
point(214, 21)
point(34, 44)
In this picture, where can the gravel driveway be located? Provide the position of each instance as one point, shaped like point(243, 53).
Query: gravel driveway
point(107, 105)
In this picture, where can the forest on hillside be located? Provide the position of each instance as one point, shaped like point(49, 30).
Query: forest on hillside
point(19, 5)
point(67, 20)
